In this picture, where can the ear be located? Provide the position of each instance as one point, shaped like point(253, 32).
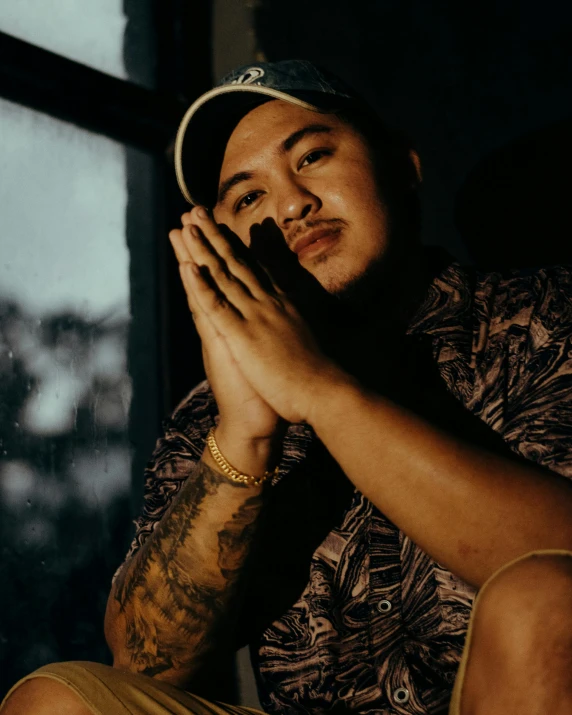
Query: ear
point(416, 161)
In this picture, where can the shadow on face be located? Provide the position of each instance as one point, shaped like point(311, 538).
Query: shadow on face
point(270, 251)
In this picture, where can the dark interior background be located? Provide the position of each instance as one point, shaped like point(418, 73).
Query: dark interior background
point(464, 81)
point(484, 93)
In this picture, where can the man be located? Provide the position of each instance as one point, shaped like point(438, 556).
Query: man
point(386, 432)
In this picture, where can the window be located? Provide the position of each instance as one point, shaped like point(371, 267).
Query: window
point(91, 33)
point(86, 198)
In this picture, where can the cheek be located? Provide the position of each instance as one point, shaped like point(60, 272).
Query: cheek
point(355, 197)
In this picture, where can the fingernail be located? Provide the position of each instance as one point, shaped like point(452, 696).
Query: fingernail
point(201, 212)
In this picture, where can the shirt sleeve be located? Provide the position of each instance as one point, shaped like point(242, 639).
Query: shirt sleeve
point(174, 458)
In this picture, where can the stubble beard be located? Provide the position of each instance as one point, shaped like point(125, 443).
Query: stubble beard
point(375, 288)
point(371, 306)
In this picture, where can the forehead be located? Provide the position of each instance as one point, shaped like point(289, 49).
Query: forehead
point(267, 126)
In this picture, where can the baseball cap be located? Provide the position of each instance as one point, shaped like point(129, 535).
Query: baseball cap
point(208, 123)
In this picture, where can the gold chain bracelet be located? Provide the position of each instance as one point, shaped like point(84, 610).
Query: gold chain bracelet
point(230, 471)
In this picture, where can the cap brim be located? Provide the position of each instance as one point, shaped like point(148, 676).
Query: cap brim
point(208, 123)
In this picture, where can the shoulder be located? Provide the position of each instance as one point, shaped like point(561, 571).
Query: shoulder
point(518, 300)
point(523, 358)
point(525, 283)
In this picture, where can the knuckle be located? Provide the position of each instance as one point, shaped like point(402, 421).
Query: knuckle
point(183, 266)
point(220, 302)
point(187, 230)
point(218, 270)
point(276, 303)
point(239, 263)
point(196, 216)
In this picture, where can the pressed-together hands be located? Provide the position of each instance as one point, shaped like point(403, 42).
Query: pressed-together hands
point(261, 358)
point(240, 406)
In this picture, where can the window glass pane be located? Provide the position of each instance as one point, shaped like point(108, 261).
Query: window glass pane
point(62, 198)
point(92, 33)
point(65, 453)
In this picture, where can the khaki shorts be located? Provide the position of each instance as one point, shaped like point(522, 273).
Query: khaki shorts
point(108, 691)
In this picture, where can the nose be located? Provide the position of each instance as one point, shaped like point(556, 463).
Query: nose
point(296, 202)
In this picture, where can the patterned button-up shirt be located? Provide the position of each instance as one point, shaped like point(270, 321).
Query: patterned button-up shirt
point(344, 613)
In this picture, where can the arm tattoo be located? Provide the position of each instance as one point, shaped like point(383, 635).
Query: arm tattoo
point(176, 590)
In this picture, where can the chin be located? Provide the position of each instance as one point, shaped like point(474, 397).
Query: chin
point(361, 284)
point(377, 284)
point(335, 273)
point(355, 292)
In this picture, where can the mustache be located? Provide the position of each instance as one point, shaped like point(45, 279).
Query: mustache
point(335, 225)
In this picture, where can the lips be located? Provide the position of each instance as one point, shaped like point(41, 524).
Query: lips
point(312, 237)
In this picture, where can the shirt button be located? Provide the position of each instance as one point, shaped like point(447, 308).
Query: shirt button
point(384, 606)
point(401, 696)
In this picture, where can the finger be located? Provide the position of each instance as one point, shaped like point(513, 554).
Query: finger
point(267, 281)
point(191, 302)
point(206, 331)
point(211, 302)
point(230, 285)
point(236, 256)
point(179, 245)
point(205, 328)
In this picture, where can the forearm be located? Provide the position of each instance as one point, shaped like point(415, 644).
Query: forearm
point(470, 509)
point(169, 600)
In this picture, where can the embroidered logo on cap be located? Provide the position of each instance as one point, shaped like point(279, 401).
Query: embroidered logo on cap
point(250, 76)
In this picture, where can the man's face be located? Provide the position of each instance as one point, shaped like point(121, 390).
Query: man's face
point(313, 176)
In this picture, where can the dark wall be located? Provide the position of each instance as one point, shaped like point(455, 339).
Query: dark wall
point(462, 79)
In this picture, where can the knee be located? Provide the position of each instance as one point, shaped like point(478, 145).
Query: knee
point(44, 696)
point(526, 611)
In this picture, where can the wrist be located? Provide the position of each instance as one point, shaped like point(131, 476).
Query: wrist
point(249, 455)
point(334, 386)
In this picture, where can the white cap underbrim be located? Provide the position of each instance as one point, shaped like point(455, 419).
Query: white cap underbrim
point(182, 132)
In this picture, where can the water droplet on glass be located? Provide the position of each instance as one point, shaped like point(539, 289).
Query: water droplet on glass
point(10, 354)
point(16, 425)
point(29, 502)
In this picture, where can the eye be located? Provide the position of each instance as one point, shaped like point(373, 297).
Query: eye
point(314, 156)
point(246, 200)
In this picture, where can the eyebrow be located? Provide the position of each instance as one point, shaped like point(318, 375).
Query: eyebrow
point(235, 179)
point(293, 139)
point(286, 146)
